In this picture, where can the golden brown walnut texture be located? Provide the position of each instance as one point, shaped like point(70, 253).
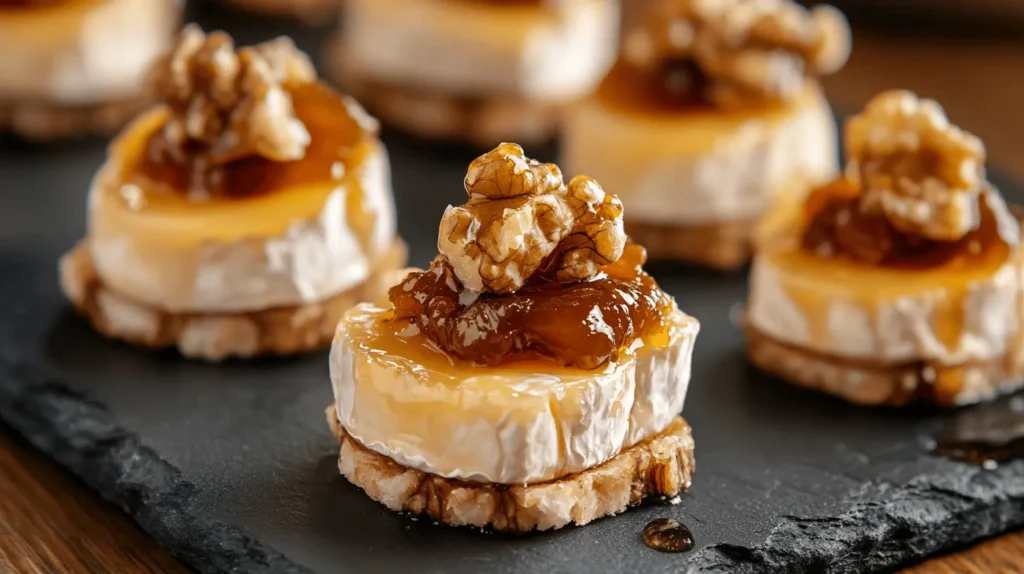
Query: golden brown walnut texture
point(226, 104)
point(750, 52)
point(922, 173)
point(521, 217)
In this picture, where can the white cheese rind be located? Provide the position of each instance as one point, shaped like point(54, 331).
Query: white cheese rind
point(705, 167)
point(84, 55)
point(476, 49)
point(503, 425)
point(312, 260)
point(896, 327)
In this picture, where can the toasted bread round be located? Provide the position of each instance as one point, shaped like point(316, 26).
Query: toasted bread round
point(44, 121)
point(725, 245)
point(660, 466)
point(867, 383)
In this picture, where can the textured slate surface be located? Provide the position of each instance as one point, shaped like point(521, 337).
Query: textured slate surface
point(232, 468)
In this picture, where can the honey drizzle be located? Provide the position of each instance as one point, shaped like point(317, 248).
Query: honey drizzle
point(630, 89)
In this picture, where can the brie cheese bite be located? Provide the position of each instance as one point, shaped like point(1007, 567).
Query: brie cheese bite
point(77, 66)
point(711, 113)
point(475, 70)
point(241, 216)
point(533, 376)
point(903, 280)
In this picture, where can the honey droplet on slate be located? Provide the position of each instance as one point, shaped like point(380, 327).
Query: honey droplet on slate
point(667, 535)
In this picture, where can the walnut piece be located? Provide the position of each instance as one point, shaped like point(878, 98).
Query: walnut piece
point(521, 218)
point(915, 168)
point(750, 52)
point(230, 104)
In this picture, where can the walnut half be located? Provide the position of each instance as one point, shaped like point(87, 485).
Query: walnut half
point(521, 219)
point(227, 104)
point(922, 173)
point(749, 51)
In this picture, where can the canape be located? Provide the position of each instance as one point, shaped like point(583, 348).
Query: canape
point(901, 280)
point(241, 216)
point(711, 112)
point(532, 377)
point(73, 67)
point(477, 70)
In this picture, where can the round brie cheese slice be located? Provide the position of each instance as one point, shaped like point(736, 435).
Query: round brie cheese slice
point(702, 166)
point(545, 53)
point(83, 52)
point(513, 424)
point(966, 309)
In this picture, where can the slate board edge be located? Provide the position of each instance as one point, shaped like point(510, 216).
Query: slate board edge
point(83, 436)
point(923, 517)
point(929, 515)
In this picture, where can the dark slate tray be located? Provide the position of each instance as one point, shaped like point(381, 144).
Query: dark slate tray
point(233, 469)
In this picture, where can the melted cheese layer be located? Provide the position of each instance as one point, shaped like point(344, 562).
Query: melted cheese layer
point(520, 423)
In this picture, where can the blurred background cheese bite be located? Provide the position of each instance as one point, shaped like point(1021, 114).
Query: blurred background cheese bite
point(77, 66)
point(710, 113)
point(477, 70)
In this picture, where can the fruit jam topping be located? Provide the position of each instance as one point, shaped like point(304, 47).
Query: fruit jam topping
point(584, 324)
point(839, 226)
point(532, 266)
point(914, 194)
point(728, 54)
point(242, 122)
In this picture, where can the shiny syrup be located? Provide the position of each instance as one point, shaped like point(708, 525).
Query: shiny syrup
point(668, 535)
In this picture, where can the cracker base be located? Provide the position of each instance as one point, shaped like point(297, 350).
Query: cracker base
point(45, 121)
point(724, 246)
point(867, 383)
point(660, 466)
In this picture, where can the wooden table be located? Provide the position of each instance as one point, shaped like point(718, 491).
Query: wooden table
point(49, 522)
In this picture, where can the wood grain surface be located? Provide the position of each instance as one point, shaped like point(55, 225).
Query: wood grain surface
point(50, 523)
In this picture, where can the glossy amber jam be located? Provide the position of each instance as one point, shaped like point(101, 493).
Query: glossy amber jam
point(837, 227)
point(675, 87)
point(580, 325)
point(333, 133)
point(144, 195)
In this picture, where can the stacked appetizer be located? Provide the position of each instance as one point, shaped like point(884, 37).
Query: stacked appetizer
point(711, 112)
point(902, 280)
point(241, 216)
point(77, 66)
point(532, 377)
point(477, 70)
